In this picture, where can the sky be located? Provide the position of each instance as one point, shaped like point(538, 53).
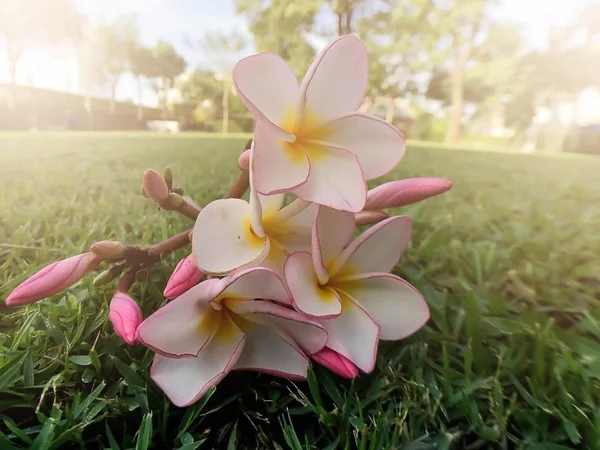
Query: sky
point(182, 22)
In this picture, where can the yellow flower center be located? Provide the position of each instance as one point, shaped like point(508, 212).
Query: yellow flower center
point(309, 132)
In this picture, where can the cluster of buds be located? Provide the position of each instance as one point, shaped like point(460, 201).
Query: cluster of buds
point(284, 284)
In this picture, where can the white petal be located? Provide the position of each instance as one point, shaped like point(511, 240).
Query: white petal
point(269, 352)
point(378, 249)
point(309, 335)
point(183, 326)
point(277, 166)
point(353, 334)
point(335, 180)
point(308, 296)
point(267, 86)
point(184, 380)
point(378, 145)
point(257, 282)
point(396, 306)
point(223, 239)
point(332, 232)
point(336, 81)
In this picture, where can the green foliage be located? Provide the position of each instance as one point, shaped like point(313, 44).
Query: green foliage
point(278, 26)
point(507, 262)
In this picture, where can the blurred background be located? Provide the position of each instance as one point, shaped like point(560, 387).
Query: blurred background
point(522, 74)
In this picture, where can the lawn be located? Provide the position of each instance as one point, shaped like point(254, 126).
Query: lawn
point(508, 262)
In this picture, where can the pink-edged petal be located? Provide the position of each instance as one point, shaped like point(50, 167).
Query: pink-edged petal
point(256, 211)
point(378, 145)
point(309, 335)
point(183, 326)
point(273, 353)
point(378, 249)
point(396, 306)
point(244, 160)
point(223, 239)
point(405, 192)
point(353, 334)
point(335, 180)
point(125, 315)
point(256, 282)
point(185, 276)
point(332, 231)
point(278, 167)
point(307, 295)
point(267, 86)
point(336, 363)
point(336, 81)
point(184, 380)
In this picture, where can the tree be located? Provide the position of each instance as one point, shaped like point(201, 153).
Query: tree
point(223, 50)
point(34, 23)
point(280, 26)
point(345, 12)
point(401, 47)
point(167, 64)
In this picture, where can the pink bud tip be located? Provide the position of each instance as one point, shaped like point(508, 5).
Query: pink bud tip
point(155, 185)
point(336, 363)
point(369, 217)
point(185, 276)
point(53, 279)
point(405, 192)
point(244, 160)
point(125, 316)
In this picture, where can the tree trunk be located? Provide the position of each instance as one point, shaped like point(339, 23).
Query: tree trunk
point(389, 113)
point(88, 109)
point(113, 96)
point(348, 20)
point(456, 111)
point(140, 109)
point(225, 104)
point(340, 24)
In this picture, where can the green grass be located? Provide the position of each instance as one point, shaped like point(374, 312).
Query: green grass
point(508, 262)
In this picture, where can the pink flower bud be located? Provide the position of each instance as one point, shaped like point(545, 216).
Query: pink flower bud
point(155, 186)
point(369, 217)
point(185, 276)
point(404, 192)
point(109, 249)
point(125, 316)
point(53, 279)
point(244, 160)
point(336, 363)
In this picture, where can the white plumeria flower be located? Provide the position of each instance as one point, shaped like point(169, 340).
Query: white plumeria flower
point(347, 285)
point(310, 139)
point(217, 326)
point(231, 233)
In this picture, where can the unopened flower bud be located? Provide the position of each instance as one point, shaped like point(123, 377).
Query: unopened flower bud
point(168, 177)
point(53, 279)
point(336, 363)
point(176, 200)
point(125, 316)
point(244, 160)
point(155, 186)
point(107, 276)
point(405, 192)
point(109, 249)
point(185, 276)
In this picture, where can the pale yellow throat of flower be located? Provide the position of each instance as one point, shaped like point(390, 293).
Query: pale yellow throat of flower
point(309, 132)
point(222, 322)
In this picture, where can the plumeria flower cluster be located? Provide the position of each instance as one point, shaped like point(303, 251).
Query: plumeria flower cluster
point(286, 283)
